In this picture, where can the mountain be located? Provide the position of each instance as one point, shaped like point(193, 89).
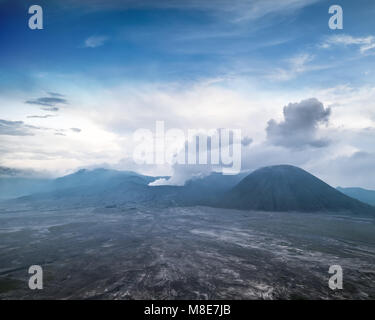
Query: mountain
point(364, 195)
point(99, 180)
point(84, 182)
point(277, 188)
point(16, 182)
point(93, 187)
point(206, 190)
point(103, 187)
point(14, 187)
point(289, 188)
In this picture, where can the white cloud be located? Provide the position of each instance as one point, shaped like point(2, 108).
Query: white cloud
point(294, 67)
point(106, 136)
point(364, 43)
point(95, 41)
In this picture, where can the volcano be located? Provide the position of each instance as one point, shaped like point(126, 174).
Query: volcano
point(289, 188)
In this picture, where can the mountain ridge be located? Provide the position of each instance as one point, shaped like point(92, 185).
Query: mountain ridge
point(361, 194)
point(275, 188)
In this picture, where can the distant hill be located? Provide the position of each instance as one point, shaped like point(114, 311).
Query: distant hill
point(289, 188)
point(92, 187)
point(16, 182)
point(14, 187)
point(364, 195)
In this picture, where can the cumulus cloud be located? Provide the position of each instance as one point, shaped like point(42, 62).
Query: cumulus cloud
point(299, 128)
point(95, 41)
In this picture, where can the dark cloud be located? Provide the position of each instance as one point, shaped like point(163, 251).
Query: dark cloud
point(47, 101)
point(6, 172)
point(55, 94)
point(14, 128)
point(50, 109)
point(300, 126)
point(246, 141)
point(76, 130)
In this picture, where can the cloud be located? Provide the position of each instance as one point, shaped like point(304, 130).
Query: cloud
point(300, 125)
point(295, 66)
point(235, 10)
point(355, 170)
point(6, 172)
point(55, 94)
point(19, 128)
point(202, 149)
point(364, 43)
point(14, 128)
point(256, 9)
point(95, 41)
point(77, 130)
point(51, 109)
point(184, 172)
point(224, 104)
point(246, 141)
point(42, 117)
point(47, 101)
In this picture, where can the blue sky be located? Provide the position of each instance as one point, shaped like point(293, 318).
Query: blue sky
point(178, 42)
point(120, 65)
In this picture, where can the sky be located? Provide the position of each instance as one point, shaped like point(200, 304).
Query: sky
point(73, 93)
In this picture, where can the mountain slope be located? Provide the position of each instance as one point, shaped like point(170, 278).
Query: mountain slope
point(92, 187)
point(288, 188)
point(364, 195)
